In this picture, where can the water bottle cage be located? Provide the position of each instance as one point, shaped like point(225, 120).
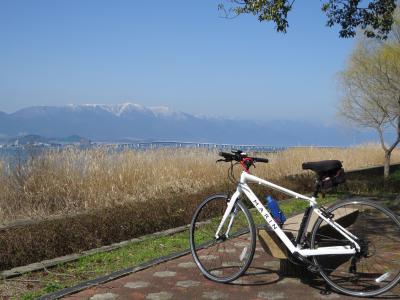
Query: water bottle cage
point(278, 219)
point(275, 211)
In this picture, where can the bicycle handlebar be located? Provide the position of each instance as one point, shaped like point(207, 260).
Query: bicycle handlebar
point(239, 156)
point(260, 159)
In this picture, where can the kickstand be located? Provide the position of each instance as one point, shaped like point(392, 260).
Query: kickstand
point(327, 290)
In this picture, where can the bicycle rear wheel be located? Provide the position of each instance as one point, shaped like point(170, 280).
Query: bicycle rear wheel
point(374, 269)
point(226, 258)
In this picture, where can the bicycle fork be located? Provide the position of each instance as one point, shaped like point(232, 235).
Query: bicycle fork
point(230, 210)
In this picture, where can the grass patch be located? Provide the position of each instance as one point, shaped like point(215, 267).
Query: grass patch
point(90, 267)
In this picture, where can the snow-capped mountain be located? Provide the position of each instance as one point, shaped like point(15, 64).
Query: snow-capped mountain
point(137, 122)
point(124, 109)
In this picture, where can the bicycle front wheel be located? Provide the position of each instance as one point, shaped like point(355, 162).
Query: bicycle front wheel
point(375, 268)
point(225, 258)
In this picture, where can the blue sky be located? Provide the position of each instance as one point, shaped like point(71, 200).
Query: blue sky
point(176, 53)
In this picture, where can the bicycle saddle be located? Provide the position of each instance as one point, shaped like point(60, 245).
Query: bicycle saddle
point(323, 166)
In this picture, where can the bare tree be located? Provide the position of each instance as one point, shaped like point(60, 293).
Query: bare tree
point(371, 86)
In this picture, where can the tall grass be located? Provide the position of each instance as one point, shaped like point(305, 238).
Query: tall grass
point(70, 181)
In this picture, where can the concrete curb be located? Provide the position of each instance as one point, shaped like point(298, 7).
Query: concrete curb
point(112, 276)
point(72, 257)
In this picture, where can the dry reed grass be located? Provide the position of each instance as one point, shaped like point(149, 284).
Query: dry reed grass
point(70, 181)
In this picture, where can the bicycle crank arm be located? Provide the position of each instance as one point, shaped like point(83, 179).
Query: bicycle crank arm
point(310, 265)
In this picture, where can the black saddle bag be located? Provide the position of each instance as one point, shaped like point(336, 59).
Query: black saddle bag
point(332, 179)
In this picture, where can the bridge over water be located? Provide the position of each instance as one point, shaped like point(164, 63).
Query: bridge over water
point(177, 144)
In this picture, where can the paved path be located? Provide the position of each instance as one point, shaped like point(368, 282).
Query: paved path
point(179, 279)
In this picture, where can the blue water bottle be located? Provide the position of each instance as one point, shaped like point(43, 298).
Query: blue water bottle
point(276, 212)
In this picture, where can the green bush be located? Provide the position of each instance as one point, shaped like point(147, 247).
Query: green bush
point(395, 176)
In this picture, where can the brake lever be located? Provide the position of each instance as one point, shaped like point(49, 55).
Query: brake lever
point(220, 160)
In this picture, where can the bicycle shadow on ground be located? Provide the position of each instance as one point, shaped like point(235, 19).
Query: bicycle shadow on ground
point(319, 283)
point(262, 276)
point(257, 276)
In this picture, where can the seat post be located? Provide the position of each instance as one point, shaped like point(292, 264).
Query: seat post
point(317, 187)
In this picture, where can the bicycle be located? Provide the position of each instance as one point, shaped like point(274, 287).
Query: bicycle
point(359, 258)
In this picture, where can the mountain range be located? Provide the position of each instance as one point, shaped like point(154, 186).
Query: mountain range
point(139, 123)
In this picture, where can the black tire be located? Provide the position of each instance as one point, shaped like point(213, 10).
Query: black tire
point(376, 268)
point(225, 259)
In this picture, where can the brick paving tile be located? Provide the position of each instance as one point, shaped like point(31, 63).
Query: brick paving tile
point(179, 279)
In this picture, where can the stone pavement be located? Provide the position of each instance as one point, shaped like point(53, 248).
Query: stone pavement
point(180, 279)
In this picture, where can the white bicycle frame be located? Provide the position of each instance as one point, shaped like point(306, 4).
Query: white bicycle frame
point(244, 188)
